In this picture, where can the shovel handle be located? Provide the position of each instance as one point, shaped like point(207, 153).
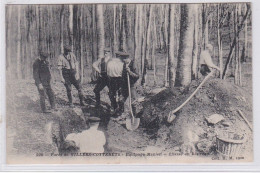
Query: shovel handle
point(130, 98)
point(188, 99)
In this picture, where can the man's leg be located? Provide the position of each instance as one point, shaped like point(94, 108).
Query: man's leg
point(112, 92)
point(101, 84)
point(42, 99)
point(78, 86)
point(50, 94)
point(68, 89)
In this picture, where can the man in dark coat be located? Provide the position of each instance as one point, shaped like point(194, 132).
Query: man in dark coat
point(42, 77)
point(69, 71)
point(130, 69)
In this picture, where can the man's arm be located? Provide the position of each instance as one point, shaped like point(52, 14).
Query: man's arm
point(96, 64)
point(36, 74)
point(132, 70)
point(60, 69)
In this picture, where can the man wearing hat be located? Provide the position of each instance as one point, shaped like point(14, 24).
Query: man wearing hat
point(69, 71)
point(130, 69)
point(114, 73)
point(42, 77)
point(101, 68)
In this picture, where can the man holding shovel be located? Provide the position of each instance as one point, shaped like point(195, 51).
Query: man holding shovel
point(129, 71)
point(114, 73)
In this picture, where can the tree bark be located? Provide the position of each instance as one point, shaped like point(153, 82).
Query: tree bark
point(100, 30)
point(171, 46)
point(61, 28)
point(9, 40)
point(18, 57)
point(165, 32)
point(146, 44)
point(219, 42)
point(195, 43)
point(183, 74)
point(71, 27)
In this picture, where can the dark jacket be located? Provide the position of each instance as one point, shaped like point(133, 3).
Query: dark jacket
point(133, 75)
point(41, 72)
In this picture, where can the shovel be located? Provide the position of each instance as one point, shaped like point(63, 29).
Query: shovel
point(131, 123)
point(171, 115)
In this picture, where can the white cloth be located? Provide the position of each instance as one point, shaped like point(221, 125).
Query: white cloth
point(115, 67)
point(205, 58)
point(89, 141)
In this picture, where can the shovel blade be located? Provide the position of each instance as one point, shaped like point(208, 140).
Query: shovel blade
point(132, 124)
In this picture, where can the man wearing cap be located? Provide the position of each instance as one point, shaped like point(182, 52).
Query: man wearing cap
point(69, 72)
point(114, 73)
point(130, 69)
point(42, 77)
point(101, 67)
point(206, 61)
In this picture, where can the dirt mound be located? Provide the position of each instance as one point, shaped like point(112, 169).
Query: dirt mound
point(190, 126)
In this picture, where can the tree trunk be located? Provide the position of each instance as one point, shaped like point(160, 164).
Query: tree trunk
point(61, 28)
point(195, 43)
point(219, 44)
point(94, 36)
point(153, 52)
point(9, 40)
point(136, 35)
point(165, 33)
point(115, 31)
point(146, 44)
point(183, 74)
point(100, 30)
point(18, 61)
point(245, 44)
point(81, 46)
point(71, 27)
point(171, 46)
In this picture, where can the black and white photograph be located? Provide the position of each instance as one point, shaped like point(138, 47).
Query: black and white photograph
point(129, 83)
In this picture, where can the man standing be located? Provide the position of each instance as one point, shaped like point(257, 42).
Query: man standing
point(129, 69)
point(206, 61)
point(69, 72)
point(42, 77)
point(101, 67)
point(114, 73)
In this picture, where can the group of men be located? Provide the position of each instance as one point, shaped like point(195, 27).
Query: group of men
point(113, 72)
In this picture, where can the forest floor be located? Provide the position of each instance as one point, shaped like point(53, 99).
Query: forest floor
point(26, 125)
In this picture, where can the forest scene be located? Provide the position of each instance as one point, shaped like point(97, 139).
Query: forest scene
point(181, 109)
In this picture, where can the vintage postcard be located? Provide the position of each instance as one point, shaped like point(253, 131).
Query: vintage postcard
point(129, 83)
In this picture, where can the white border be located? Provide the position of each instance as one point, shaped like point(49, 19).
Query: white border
point(249, 167)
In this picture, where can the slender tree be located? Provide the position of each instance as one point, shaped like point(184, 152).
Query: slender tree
point(18, 61)
point(195, 43)
point(100, 30)
point(71, 26)
point(171, 46)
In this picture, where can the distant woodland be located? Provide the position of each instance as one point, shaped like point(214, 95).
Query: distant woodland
point(178, 32)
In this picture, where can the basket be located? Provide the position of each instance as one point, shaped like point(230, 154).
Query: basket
point(229, 144)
